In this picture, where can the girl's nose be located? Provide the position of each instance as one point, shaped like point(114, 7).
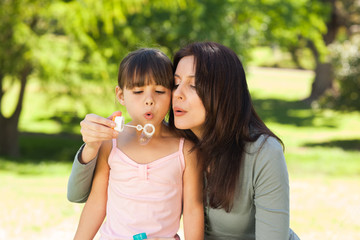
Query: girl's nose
point(149, 101)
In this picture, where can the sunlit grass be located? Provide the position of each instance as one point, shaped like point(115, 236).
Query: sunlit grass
point(32, 205)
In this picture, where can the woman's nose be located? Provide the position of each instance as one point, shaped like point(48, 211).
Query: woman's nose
point(177, 93)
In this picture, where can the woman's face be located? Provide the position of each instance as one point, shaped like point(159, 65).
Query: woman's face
point(189, 111)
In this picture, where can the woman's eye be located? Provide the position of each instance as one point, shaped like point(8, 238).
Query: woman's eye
point(176, 86)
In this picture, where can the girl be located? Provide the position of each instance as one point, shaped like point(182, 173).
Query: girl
point(144, 188)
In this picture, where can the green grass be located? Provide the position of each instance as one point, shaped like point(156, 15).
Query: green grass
point(322, 149)
point(34, 206)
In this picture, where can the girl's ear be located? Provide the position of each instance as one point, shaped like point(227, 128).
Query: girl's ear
point(119, 95)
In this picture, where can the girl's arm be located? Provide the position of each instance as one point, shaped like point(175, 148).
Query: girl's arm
point(94, 210)
point(193, 210)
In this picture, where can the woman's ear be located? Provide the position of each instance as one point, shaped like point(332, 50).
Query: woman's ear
point(119, 95)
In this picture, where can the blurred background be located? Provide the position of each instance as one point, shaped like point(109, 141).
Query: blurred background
point(59, 60)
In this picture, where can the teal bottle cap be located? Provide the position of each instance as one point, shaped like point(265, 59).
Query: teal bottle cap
point(140, 236)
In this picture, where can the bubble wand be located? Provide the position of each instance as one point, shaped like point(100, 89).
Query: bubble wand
point(148, 129)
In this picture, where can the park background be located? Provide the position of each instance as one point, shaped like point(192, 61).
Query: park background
point(58, 62)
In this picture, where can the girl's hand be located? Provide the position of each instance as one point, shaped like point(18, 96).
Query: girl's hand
point(94, 130)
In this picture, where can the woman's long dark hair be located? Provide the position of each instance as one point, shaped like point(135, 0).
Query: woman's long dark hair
point(231, 120)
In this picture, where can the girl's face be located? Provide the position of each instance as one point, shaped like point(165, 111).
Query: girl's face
point(145, 104)
point(189, 111)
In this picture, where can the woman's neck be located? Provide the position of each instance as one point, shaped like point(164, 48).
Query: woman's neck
point(198, 132)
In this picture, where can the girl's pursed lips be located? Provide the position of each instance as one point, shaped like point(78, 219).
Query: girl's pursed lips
point(148, 115)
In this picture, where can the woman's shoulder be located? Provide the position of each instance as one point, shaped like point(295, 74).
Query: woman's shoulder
point(267, 160)
point(265, 151)
point(265, 143)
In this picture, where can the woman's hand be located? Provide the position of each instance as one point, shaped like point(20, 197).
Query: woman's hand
point(94, 130)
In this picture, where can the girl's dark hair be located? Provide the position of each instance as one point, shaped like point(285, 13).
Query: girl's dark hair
point(231, 120)
point(144, 66)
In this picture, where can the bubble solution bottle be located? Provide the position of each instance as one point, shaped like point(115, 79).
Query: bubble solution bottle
point(140, 236)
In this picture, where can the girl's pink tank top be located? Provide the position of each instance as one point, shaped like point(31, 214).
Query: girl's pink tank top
point(143, 197)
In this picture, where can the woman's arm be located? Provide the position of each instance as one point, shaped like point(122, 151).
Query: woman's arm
point(271, 193)
point(94, 210)
point(94, 130)
point(193, 210)
point(80, 179)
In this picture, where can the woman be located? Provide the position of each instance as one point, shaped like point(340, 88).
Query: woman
point(246, 178)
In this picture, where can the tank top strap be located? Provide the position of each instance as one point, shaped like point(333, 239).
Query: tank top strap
point(181, 144)
point(181, 152)
point(114, 143)
point(112, 152)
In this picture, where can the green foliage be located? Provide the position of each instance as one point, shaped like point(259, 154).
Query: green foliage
point(69, 45)
point(346, 60)
point(70, 42)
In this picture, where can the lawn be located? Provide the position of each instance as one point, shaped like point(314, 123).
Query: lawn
point(321, 148)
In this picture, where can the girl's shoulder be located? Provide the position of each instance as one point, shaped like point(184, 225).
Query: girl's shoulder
point(106, 147)
point(188, 146)
point(189, 152)
point(107, 144)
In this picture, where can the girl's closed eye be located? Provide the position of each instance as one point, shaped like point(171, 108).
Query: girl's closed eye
point(160, 92)
point(137, 90)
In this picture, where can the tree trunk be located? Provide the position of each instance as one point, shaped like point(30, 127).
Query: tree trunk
point(324, 72)
point(9, 137)
point(324, 77)
point(9, 133)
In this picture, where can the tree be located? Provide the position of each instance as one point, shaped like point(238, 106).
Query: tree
point(15, 66)
point(342, 22)
point(346, 61)
point(296, 25)
point(324, 72)
point(49, 40)
point(59, 42)
point(70, 42)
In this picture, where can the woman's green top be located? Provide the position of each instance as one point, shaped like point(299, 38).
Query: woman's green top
point(261, 206)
